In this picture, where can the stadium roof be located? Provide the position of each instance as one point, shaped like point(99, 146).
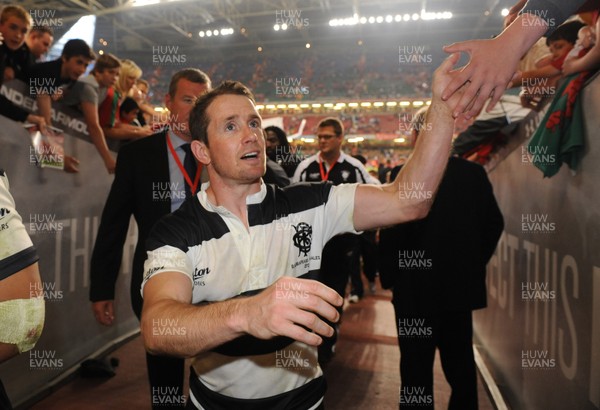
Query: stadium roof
point(133, 26)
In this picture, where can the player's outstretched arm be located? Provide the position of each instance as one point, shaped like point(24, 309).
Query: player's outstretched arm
point(409, 196)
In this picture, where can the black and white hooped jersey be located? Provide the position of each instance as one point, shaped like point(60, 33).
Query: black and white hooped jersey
point(288, 228)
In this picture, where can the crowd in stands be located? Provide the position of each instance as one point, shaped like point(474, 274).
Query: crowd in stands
point(345, 75)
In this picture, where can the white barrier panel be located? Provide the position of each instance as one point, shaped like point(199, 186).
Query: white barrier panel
point(62, 212)
point(541, 331)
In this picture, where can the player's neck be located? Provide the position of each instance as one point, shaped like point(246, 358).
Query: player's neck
point(232, 196)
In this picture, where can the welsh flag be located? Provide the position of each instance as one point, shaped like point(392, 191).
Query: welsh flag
point(559, 138)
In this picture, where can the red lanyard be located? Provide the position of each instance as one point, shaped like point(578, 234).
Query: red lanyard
point(324, 175)
point(182, 169)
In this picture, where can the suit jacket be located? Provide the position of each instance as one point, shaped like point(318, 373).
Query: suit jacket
point(142, 171)
point(439, 262)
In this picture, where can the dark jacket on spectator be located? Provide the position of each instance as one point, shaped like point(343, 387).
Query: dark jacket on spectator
point(458, 237)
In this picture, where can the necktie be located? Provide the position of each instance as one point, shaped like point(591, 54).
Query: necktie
point(190, 166)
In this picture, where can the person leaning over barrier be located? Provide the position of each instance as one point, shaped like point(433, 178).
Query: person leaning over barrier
point(228, 275)
point(57, 80)
point(15, 23)
point(85, 95)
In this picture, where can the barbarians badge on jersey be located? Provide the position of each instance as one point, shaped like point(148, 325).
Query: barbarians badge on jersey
point(303, 237)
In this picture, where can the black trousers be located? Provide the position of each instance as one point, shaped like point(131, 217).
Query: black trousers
point(165, 375)
point(337, 262)
point(418, 337)
point(336, 265)
point(367, 248)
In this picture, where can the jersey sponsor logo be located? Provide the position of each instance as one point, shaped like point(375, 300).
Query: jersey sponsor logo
point(4, 212)
point(302, 239)
point(152, 271)
point(314, 175)
point(199, 275)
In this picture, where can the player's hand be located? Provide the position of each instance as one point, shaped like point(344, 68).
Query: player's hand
point(443, 76)
point(293, 307)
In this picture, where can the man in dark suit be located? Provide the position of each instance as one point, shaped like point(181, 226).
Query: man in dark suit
point(437, 268)
point(153, 176)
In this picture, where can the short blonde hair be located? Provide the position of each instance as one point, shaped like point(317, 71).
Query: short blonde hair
point(15, 11)
point(128, 69)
